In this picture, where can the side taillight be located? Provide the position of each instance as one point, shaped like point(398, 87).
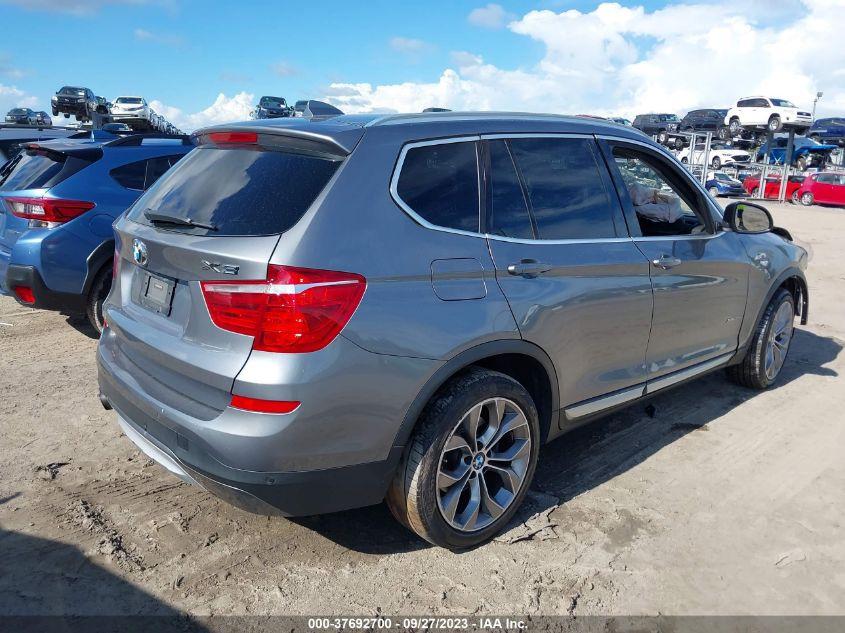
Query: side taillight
point(48, 209)
point(293, 310)
point(257, 405)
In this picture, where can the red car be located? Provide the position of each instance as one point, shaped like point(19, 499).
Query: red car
point(752, 184)
point(824, 188)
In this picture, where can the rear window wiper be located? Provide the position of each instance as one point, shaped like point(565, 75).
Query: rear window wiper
point(163, 218)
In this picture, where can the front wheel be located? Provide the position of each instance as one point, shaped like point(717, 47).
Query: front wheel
point(807, 199)
point(470, 461)
point(775, 124)
point(714, 192)
point(662, 137)
point(723, 133)
point(734, 127)
point(801, 163)
point(716, 162)
point(769, 346)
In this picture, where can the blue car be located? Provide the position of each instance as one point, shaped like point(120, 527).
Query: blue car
point(805, 153)
point(720, 184)
point(830, 130)
point(58, 200)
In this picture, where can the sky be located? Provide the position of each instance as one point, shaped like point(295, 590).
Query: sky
point(201, 63)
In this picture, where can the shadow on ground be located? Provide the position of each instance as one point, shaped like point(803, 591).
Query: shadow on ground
point(597, 452)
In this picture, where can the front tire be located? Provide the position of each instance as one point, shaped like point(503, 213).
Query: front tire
point(96, 296)
point(774, 124)
point(734, 127)
point(716, 162)
point(769, 346)
point(714, 192)
point(807, 199)
point(801, 163)
point(470, 461)
point(723, 133)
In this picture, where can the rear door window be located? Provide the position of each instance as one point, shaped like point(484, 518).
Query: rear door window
point(440, 184)
point(508, 212)
point(566, 192)
point(241, 191)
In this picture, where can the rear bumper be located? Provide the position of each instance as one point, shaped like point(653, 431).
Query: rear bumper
point(286, 494)
point(45, 298)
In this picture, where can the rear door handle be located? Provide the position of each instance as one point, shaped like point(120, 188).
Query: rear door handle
point(665, 262)
point(529, 268)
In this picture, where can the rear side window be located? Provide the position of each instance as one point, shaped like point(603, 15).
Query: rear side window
point(238, 191)
point(34, 169)
point(440, 184)
point(566, 192)
point(142, 174)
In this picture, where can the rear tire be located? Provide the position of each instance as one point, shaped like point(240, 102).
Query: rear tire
point(774, 124)
point(662, 138)
point(769, 346)
point(801, 163)
point(716, 162)
point(723, 133)
point(96, 296)
point(442, 476)
point(734, 127)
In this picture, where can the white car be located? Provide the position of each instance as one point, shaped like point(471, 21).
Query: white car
point(719, 155)
point(130, 109)
point(769, 113)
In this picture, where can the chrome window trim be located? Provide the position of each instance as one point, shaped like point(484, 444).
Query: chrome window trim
point(394, 183)
point(397, 170)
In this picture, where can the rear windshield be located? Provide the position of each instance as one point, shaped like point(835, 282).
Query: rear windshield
point(35, 169)
point(237, 191)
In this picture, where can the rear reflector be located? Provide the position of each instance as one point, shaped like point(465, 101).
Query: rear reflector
point(48, 209)
point(263, 406)
point(233, 138)
point(293, 310)
point(24, 293)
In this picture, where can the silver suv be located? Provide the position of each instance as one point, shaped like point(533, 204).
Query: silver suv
point(310, 315)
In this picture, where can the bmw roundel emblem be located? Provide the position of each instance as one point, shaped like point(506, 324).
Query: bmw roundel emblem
point(139, 252)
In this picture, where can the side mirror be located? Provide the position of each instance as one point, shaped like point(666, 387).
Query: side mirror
point(745, 217)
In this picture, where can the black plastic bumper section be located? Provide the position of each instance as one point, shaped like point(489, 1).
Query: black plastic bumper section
point(45, 298)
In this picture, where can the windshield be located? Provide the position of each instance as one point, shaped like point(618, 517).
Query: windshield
point(70, 90)
point(720, 175)
point(18, 111)
point(238, 191)
point(272, 102)
point(129, 100)
point(782, 103)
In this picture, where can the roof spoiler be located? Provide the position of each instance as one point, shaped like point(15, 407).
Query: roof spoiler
point(135, 140)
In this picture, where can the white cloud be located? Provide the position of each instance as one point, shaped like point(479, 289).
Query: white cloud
point(167, 39)
point(625, 60)
point(13, 97)
point(407, 45)
point(223, 110)
point(283, 69)
point(492, 16)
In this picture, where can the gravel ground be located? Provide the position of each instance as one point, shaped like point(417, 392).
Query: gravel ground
point(726, 501)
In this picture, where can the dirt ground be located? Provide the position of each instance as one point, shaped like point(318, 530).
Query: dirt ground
point(726, 501)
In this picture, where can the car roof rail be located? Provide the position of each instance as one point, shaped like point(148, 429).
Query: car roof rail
point(136, 140)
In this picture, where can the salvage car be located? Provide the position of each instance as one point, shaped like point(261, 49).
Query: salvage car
point(805, 152)
point(252, 352)
point(706, 120)
point(59, 199)
point(43, 119)
point(720, 155)
point(22, 116)
point(824, 188)
point(662, 126)
point(830, 130)
point(772, 189)
point(77, 101)
point(721, 184)
point(272, 108)
point(134, 110)
point(766, 112)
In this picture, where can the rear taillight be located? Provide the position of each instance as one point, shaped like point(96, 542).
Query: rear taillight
point(48, 209)
point(233, 138)
point(24, 293)
point(293, 310)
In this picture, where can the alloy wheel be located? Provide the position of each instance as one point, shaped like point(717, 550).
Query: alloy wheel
point(778, 344)
point(483, 464)
point(807, 199)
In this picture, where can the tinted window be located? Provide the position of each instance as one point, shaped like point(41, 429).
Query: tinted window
point(745, 103)
point(129, 100)
point(239, 191)
point(131, 176)
point(38, 169)
point(565, 189)
point(440, 183)
point(508, 212)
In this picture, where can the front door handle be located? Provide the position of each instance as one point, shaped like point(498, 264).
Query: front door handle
point(665, 262)
point(529, 268)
